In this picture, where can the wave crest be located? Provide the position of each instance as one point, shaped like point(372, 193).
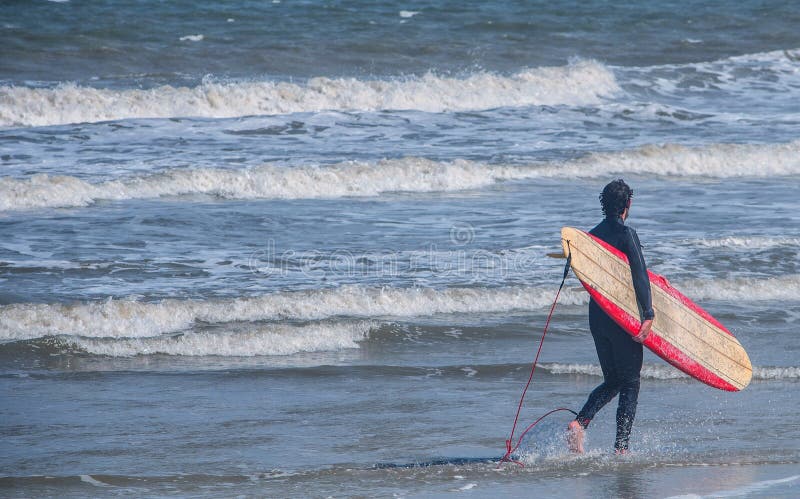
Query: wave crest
point(272, 339)
point(399, 175)
point(132, 318)
point(263, 182)
point(579, 83)
point(136, 319)
point(715, 160)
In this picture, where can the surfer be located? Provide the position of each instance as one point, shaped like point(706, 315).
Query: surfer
point(620, 354)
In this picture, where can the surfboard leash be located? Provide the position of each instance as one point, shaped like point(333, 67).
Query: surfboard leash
point(512, 449)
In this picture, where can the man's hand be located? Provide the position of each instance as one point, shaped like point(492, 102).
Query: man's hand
point(644, 331)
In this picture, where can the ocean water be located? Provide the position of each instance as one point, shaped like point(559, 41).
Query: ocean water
point(299, 248)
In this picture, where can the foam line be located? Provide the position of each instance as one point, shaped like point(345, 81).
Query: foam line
point(665, 372)
point(273, 339)
point(137, 319)
point(746, 242)
point(129, 318)
point(264, 182)
point(359, 179)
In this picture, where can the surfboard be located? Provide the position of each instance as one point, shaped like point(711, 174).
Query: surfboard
point(683, 334)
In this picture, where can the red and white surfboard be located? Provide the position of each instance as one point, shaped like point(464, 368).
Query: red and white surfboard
point(683, 334)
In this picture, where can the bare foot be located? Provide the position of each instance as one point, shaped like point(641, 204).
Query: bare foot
point(621, 452)
point(575, 437)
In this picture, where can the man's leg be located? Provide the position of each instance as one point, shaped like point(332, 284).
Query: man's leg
point(599, 324)
point(628, 357)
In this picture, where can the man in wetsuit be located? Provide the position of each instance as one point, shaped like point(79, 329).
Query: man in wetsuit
point(620, 354)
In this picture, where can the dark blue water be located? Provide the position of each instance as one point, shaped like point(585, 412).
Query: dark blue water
point(139, 44)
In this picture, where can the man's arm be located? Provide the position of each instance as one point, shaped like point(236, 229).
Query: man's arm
point(641, 282)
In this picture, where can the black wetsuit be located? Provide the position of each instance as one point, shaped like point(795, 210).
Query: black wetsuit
point(620, 356)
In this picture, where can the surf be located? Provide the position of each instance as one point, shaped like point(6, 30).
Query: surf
point(579, 83)
point(131, 318)
point(134, 318)
point(408, 175)
point(251, 340)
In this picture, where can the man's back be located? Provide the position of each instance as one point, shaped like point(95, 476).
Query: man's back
point(614, 231)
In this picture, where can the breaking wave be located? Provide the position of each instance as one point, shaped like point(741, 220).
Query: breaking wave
point(716, 161)
point(579, 83)
point(137, 319)
point(265, 182)
point(745, 289)
point(272, 339)
point(582, 82)
point(129, 318)
point(399, 175)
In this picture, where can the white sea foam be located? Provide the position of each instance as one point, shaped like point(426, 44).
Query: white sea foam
point(579, 83)
point(273, 339)
point(582, 82)
point(716, 160)
point(747, 242)
point(130, 318)
point(137, 319)
point(89, 479)
point(406, 175)
point(776, 372)
point(747, 289)
point(267, 181)
point(191, 38)
point(652, 371)
point(665, 371)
